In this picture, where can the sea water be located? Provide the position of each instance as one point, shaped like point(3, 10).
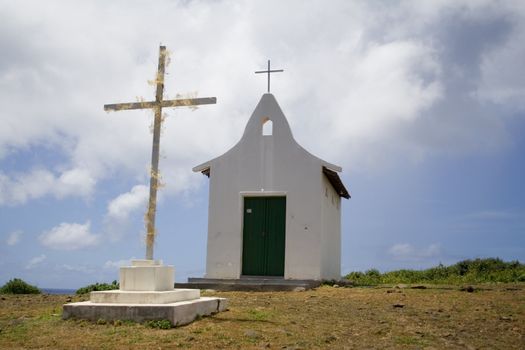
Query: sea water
point(57, 291)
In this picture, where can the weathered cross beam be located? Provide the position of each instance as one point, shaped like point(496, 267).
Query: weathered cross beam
point(269, 71)
point(157, 106)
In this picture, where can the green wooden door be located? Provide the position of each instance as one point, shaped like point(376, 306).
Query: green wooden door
point(264, 236)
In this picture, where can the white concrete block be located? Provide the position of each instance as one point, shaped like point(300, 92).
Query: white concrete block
point(144, 297)
point(147, 278)
point(179, 313)
point(145, 262)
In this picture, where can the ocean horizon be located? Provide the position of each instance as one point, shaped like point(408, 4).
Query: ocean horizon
point(58, 290)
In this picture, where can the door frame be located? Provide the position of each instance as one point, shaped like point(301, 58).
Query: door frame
point(261, 193)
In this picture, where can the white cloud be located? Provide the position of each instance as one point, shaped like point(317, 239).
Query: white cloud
point(25, 186)
point(35, 261)
point(41, 182)
point(115, 265)
point(407, 252)
point(68, 236)
point(117, 221)
point(500, 81)
point(392, 84)
point(348, 78)
point(371, 84)
point(366, 85)
point(401, 249)
point(76, 268)
point(77, 182)
point(13, 238)
point(120, 207)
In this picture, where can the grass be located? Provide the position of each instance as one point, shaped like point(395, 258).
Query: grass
point(475, 271)
point(492, 316)
point(159, 324)
point(259, 314)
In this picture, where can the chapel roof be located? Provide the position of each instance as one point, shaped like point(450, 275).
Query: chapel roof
point(335, 181)
point(269, 103)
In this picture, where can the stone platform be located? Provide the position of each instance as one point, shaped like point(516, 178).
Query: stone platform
point(146, 293)
point(143, 297)
point(249, 283)
point(178, 313)
point(146, 275)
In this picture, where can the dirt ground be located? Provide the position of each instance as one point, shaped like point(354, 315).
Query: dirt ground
point(489, 317)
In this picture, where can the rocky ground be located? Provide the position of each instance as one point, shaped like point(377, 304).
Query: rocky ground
point(401, 317)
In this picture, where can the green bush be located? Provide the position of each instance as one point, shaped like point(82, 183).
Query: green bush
point(98, 287)
point(160, 324)
point(466, 271)
point(18, 286)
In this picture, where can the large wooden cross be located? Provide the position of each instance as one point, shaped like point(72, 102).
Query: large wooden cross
point(157, 106)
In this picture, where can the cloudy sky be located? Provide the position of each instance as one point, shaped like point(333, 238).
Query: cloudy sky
point(421, 102)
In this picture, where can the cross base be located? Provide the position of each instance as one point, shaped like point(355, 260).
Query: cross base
point(147, 275)
point(179, 313)
point(144, 297)
point(146, 293)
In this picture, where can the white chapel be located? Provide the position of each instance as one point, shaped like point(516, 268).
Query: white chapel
point(274, 208)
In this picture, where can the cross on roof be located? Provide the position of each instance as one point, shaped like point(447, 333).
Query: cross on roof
point(269, 71)
point(157, 106)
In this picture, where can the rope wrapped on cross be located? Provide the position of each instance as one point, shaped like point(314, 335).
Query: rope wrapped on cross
point(157, 106)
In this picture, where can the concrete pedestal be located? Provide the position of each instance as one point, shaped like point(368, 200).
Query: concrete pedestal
point(144, 297)
point(179, 313)
point(147, 275)
point(146, 293)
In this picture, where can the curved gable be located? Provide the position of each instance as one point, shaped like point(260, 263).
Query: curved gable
point(282, 141)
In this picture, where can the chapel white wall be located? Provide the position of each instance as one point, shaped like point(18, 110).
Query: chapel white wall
point(331, 242)
point(270, 165)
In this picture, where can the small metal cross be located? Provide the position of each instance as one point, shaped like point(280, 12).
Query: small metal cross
point(269, 71)
point(157, 106)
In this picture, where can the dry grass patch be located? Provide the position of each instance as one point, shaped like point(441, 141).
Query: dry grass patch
point(492, 316)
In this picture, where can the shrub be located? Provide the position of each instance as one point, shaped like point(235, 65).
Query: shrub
point(18, 286)
point(466, 271)
point(160, 324)
point(402, 276)
point(98, 287)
